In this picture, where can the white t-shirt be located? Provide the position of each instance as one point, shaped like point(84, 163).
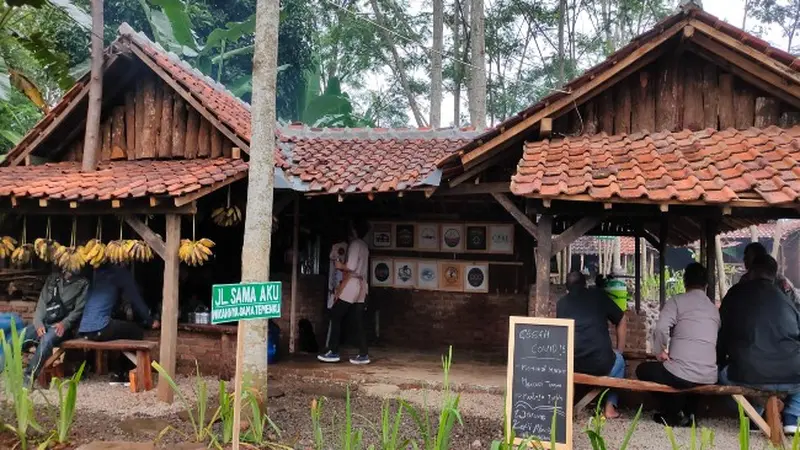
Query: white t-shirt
point(355, 291)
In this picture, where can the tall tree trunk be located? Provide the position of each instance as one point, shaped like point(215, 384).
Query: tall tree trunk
point(456, 64)
point(258, 218)
point(91, 141)
point(477, 80)
point(436, 64)
point(562, 17)
point(776, 239)
point(398, 66)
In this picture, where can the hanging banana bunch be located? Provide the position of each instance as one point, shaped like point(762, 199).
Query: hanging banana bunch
point(23, 254)
point(7, 246)
point(94, 251)
point(227, 216)
point(195, 253)
point(115, 250)
point(138, 250)
point(70, 258)
point(45, 246)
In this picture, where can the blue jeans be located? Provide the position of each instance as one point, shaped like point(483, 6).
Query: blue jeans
point(791, 408)
point(44, 348)
point(617, 371)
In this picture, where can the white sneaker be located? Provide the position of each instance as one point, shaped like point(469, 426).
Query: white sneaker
point(790, 429)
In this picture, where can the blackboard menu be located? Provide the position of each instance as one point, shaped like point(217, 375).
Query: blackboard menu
point(540, 353)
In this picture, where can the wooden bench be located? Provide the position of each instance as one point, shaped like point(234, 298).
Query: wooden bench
point(138, 352)
point(772, 427)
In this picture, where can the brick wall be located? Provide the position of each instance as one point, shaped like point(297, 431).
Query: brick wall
point(431, 320)
point(310, 304)
point(24, 308)
point(214, 352)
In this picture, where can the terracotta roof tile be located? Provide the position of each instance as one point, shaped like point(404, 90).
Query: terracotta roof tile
point(112, 180)
point(672, 173)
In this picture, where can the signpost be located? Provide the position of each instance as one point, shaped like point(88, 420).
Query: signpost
point(244, 301)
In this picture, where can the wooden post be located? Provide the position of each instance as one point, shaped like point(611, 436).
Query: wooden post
point(637, 273)
point(711, 258)
point(723, 280)
point(130, 124)
point(295, 264)
point(178, 127)
point(544, 246)
point(753, 233)
point(583, 262)
point(727, 117)
point(92, 138)
point(662, 262)
point(169, 306)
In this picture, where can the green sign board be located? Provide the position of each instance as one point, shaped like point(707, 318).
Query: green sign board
point(245, 301)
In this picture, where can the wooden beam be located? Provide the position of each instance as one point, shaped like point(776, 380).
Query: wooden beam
point(543, 251)
point(753, 414)
point(711, 258)
point(741, 203)
point(748, 70)
point(295, 264)
point(637, 273)
point(230, 134)
point(472, 172)
point(149, 236)
point(203, 191)
point(520, 216)
point(117, 204)
point(31, 207)
point(169, 307)
point(572, 233)
point(620, 69)
point(500, 187)
point(546, 128)
point(154, 202)
point(662, 261)
point(43, 203)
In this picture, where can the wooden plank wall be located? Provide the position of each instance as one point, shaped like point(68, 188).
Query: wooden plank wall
point(670, 94)
point(151, 121)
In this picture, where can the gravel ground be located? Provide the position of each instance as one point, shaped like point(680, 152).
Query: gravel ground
point(104, 412)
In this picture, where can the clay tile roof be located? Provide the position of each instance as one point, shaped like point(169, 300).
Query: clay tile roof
point(706, 166)
point(590, 245)
point(112, 180)
point(360, 160)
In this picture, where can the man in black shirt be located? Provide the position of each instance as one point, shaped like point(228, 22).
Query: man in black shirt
point(759, 341)
point(592, 309)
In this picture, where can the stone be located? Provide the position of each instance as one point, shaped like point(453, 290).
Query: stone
point(476, 444)
point(117, 445)
point(143, 426)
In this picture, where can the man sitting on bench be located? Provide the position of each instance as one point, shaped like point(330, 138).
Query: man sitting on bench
point(592, 309)
point(759, 342)
point(109, 282)
point(754, 249)
point(55, 319)
point(685, 342)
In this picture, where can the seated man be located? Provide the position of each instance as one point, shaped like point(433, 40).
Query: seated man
point(759, 341)
point(754, 249)
point(592, 309)
point(685, 342)
point(56, 317)
point(616, 288)
point(110, 281)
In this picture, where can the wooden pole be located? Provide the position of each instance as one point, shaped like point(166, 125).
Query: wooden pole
point(753, 233)
point(169, 306)
point(91, 142)
point(237, 390)
point(662, 262)
point(711, 258)
point(295, 264)
point(723, 280)
point(543, 250)
point(637, 273)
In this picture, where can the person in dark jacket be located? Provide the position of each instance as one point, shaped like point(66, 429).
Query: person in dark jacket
point(592, 310)
point(56, 318)
point(759, 340)
point(754, 249)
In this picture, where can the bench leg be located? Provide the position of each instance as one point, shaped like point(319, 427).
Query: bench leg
point(586, 399)
point(144, 372)
point(753, 414)
point(100, 362)
point(773, 413)
point(48, 370)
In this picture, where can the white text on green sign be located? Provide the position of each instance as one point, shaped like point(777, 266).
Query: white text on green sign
point(245, 301)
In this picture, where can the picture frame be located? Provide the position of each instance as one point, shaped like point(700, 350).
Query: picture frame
point(405, 236)
point(381, 272)
point(501, 238)
point(428, 236)
point(382, 235)
point(452, 237)
point(451, 276)
point(428, 275)
point(405, 274)
point(476, 277)
point(476, 237)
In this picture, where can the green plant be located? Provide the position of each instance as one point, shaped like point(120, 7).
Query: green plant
point(594, 430)
point(390, 428)
point(744, 430)
point(351, 438)
point(67, 396)
point(509, 436)
point(316, 422)
point(256, 433)
point(447, 418)
point(706, 438)
point(226, 412)
point(18, 389)
point(202, 430)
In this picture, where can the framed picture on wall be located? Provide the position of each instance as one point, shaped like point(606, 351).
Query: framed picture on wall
point(476, 238)
point(452, 238)
point(428, 275)
point(501, 238)
point(405, 273)
point(404, 235)
point(451, 276)
point(382, 271)
point(382, 235)
point(428, 236)
point(476, 277)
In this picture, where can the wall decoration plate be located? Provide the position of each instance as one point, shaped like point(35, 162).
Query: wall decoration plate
point(501, 238)
point(476, 238)
point(428, 236)
point(405, 273)
point(476, 277)
point(404, 235)
point(451, 276)
point(428, 275)
point(452, 238)
point(382, 272)
point(382, 235)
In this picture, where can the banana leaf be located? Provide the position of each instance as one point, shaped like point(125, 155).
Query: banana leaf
point(175, 11)
point(75, 12)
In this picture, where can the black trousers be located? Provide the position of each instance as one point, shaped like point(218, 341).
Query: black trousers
point(669, 404)
point(338, 313)
point(118, 329)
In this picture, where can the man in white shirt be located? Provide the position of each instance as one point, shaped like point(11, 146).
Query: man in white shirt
point(351, 294)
